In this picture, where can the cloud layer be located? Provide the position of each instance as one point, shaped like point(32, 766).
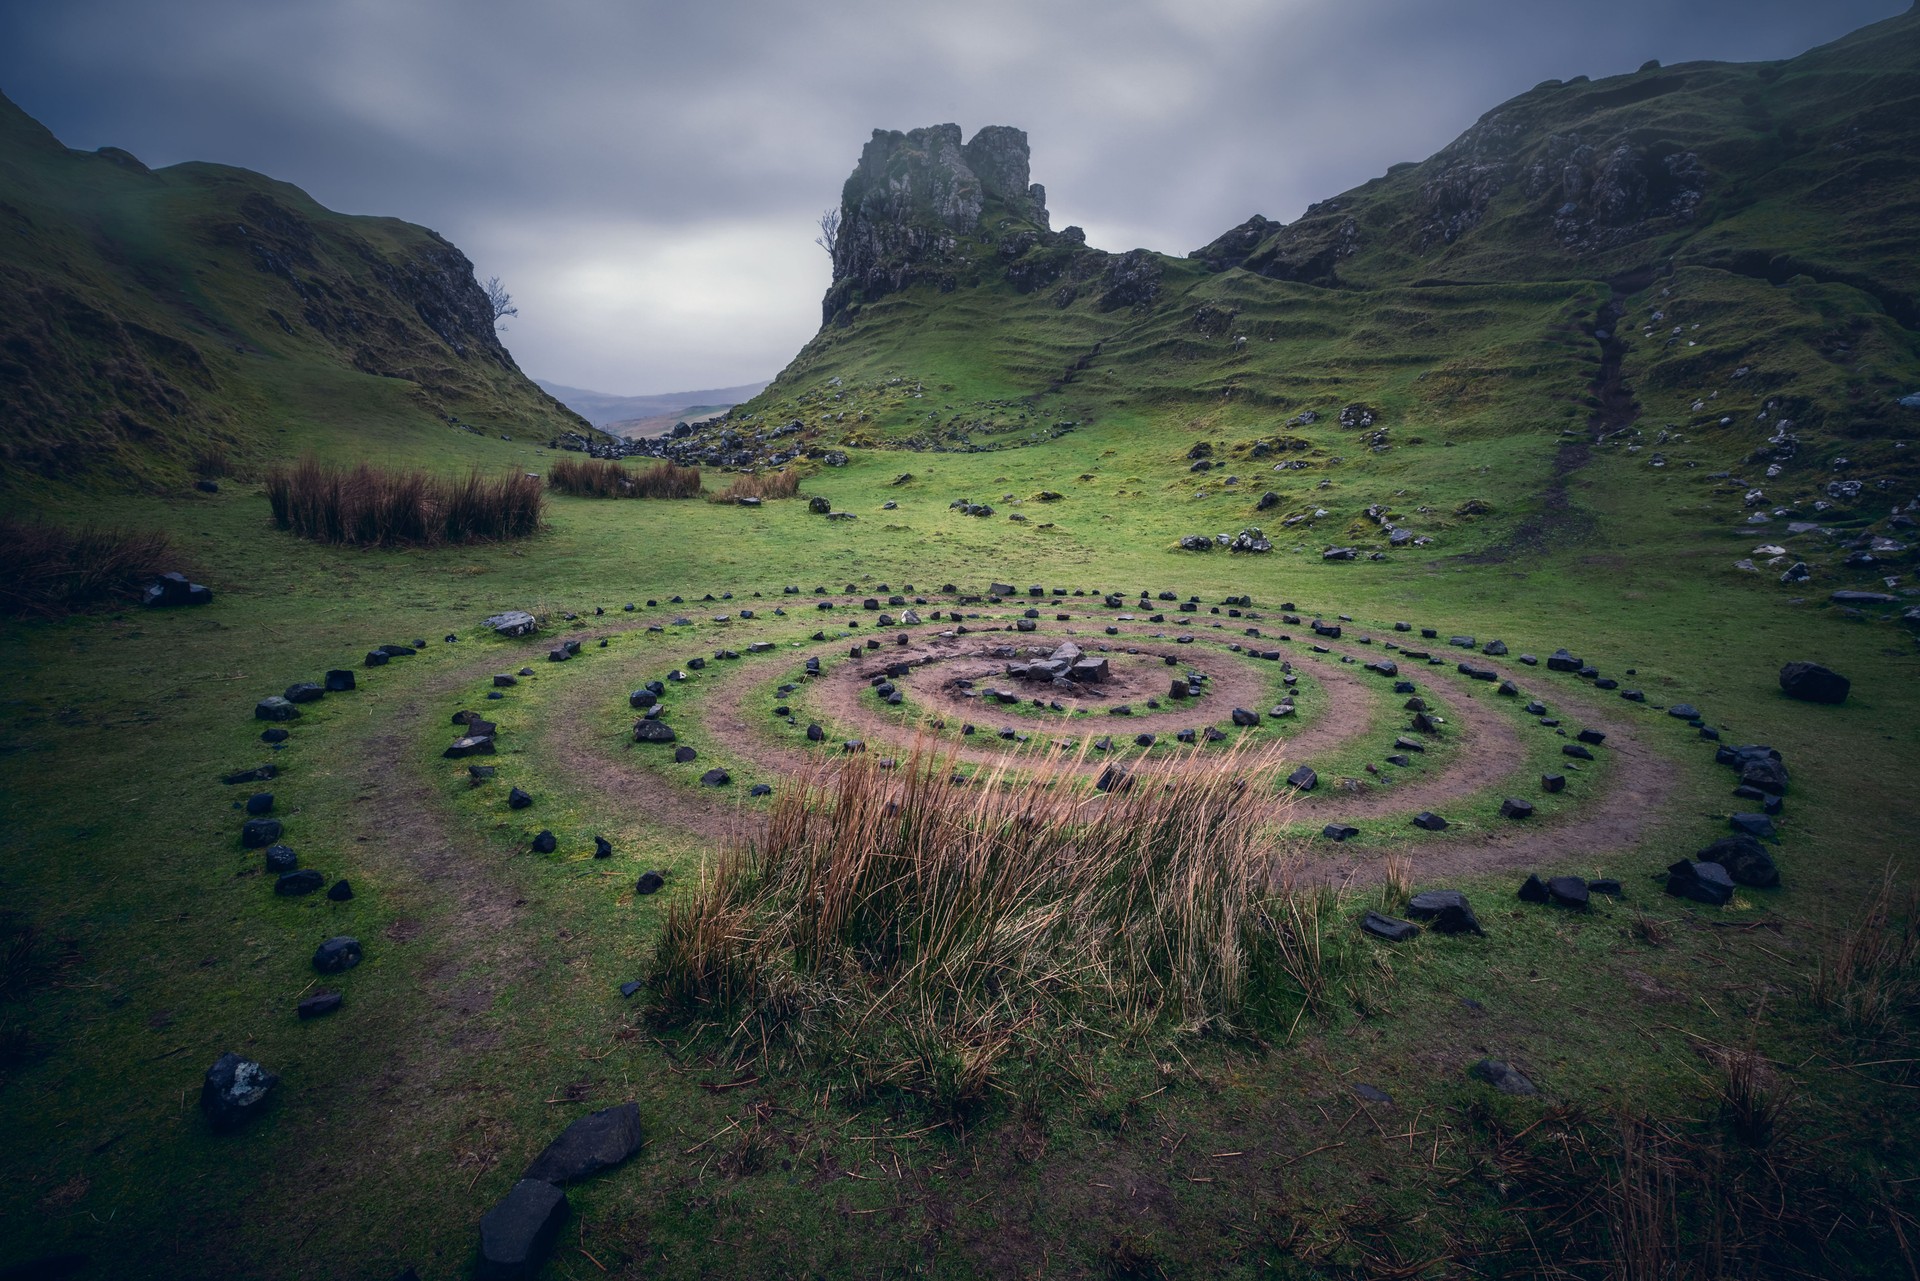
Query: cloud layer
point(644, 176)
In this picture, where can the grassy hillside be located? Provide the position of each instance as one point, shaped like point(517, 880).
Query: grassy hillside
point(150, 319)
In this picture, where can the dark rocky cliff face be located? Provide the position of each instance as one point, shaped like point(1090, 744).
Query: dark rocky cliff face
point(915, 201)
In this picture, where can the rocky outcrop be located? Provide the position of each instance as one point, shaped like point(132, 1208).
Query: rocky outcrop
point(915, 201)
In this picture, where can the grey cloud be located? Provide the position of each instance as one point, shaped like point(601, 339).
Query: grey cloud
point(524, 132)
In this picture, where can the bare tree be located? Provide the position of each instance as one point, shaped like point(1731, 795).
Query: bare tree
point(829, 230)
point(499, 299)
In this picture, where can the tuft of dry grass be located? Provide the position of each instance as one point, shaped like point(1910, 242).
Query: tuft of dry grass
point(922, 935)
point(764, 485)
point(1868, 980)
point(46, 570)
point(378, 507)
point(604, 478)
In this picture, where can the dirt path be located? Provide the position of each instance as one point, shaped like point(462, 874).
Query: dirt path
point(1638, 789)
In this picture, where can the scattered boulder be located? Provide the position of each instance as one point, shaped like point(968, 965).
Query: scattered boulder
point(649, 883)
point(1568, 892)
point(297, 883)
point(514, 622)
point(340, 891)
point(544, 842)
point(1428, 821)
point(518, 800)
point(1812, 683)
point(652, 731)
point(258, 833)
point(1304, 778)
point(305, 692)
point(715, 777)
point(1514, 807)
point(819, 506)
point(1446, 910)
point(175, 589)
point(234, 1091)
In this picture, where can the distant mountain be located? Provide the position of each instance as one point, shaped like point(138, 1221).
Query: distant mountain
point(606, 410)
point(149, 317)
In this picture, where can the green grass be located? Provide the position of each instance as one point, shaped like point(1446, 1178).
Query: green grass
point(488, 1011)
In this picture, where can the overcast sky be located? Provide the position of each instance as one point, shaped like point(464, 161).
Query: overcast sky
point(645, 175)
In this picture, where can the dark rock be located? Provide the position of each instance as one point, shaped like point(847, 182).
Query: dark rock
point(1702, 882)
point(1753, 824)
point(1765, 774)
point(260, 804)
point(470, 745)
point(597, 1141)
point(1304, 778)
point(1372, 1093)
point(1533, 890)
point(234, 1091)
point(281, 858)
point(1502, 1077)
point(602, 847)
point(1553, 782)
point(319, 1004)
point(258, 774)
point(295, 884)
point(1576, 750)
point(275, 708)
point(274, 735)
point(1114, 778)
point(649, 883)
point(1684, 712)
point(305, 692)
point(518, 1233)
point(337, 955)
point(1746, 860)
point(715, 778)
point(1513, 807)
point(1813, 683)
point(1605, 885)
point(258, 833)
point(1339, 832)
point(1592, 736)
point(1390, 928)
point(340, 891)
point(518, 800)
point(1568, 892)
point(1428, 821)
point(652, 731)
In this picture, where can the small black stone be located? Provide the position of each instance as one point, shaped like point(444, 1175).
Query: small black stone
point(518, 800)
point(340, 891)
point(545, 842)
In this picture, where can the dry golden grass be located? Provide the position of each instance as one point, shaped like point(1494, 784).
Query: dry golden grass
point(764, 485)
point(46, 570)
point(604, 478)
point(378, 507)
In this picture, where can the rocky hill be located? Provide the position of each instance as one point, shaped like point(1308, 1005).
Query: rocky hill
point(152, 317)
point(1704, 273)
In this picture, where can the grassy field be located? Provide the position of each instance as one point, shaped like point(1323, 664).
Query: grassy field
point(1722, 1091)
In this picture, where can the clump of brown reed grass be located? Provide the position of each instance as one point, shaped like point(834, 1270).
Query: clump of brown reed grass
point(380, 507)
point(605, 478)
point(764, 485)
point(923, 934)
point(47, 570)
point(1868, 980)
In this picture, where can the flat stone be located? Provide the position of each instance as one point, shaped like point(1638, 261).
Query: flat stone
point(1390, 928)
point(1568, 892)
point(1514, 807)
point(715, 777)
point(258, 833)
point(1753, 824)
point(1812, 683)
point(597, 1141)
point(1702, 882)
point(653, 731)
point(275, 708)
point(1304, 778)
point(1426, 820)
point(1745, 859)
point(1339, 832)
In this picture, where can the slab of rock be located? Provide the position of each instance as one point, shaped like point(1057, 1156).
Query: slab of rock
point(1304, 778)
point(1428, 821)
point(339, 680)
point(1812, 683)
point(470, 745)
point(1339, 832)
point(514, 622)
point(1390, 928)
point(234, 1091)
point(1752, 825)
point(597, 1141)
point(715, 777)
point(653, 731)
point(1514, 807)
point(518, 1233)
point(1503, 1077)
